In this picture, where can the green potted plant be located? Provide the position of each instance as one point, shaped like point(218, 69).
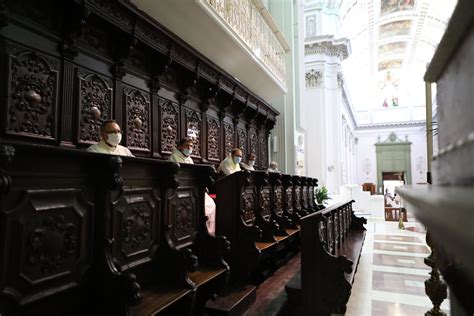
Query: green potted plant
point(322, 196)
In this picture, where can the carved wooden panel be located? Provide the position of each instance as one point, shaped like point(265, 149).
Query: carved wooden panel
point(253, 144)
point(228, 138)
point(249, 203)
point(289, 199)
point(213, 137)
point(279, 200)
point(330, 240)
point(138, 118)
point(305, 196)
point(136, 226)
point(95, 105)
point(183, 216)
point(336, 228)
point(263, 146)
point(298, 196)
point(265, 202)
point(322, 231)
point(33, 87)
point(51, 231)
point(311, 196)
point(242, 141)
point(193, 130)
point(169, 123)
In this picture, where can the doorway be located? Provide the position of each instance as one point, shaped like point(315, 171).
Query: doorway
point(392, 201)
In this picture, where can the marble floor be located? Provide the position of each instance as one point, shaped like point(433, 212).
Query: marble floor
point(391, 273)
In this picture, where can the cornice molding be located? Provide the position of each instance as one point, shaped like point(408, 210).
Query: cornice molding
point(328, 45)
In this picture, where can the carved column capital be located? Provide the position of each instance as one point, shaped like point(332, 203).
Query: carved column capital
point(313, 78)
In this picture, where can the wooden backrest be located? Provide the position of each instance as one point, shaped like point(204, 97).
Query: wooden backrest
point(322, 288)
point(102, 224)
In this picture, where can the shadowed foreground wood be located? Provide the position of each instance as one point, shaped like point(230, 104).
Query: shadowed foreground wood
point(331, 241)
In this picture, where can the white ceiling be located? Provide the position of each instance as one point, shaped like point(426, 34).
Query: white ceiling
point(392, 41)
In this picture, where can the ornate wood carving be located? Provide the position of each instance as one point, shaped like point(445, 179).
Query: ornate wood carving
point(136, 229)
point(138, 118)
point(305, 196)
point(50, 245)
point(289, 199)
point(297, 197)
point(50, 230)
point(169, 114)
point(228, 138)
point(329, 228)
point(136, 225)
point(213, 137)
point(253, 142)
point(33, 86)
point(248, 202)
point(193, 130)
point(263, 153)
point(279, 200)
point(265, 202)
point(183, 216)
point(242, 141)
point(322, 232)
point(95, 105)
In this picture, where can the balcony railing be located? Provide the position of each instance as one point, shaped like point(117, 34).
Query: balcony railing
point(247, 21)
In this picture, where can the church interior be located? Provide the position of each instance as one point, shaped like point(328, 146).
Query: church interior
point(236, 157)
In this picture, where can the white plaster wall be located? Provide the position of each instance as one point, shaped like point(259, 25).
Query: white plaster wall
point(366, 160)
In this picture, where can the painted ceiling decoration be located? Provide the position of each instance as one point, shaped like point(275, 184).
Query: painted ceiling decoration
point(391, 6)
point(392, 41)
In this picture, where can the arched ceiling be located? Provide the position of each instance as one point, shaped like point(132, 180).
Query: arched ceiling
point(392, 41)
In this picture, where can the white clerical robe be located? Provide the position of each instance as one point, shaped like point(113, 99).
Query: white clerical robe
point(209, 204)
point(228, 166)
point(102, 148)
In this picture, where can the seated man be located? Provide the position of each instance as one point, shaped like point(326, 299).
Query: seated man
point(111, 135)
point(231, 164)
point(250, 162)
point(182, 154)
point(273, 167)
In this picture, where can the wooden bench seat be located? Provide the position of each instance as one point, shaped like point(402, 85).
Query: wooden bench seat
point(204, 275)
point(157, 299)
point(351, 248)
point(331, 241)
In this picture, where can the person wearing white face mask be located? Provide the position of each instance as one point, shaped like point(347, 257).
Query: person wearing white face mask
point(249, 165)
point(232, 163)
point(182, 154)
point(111, 135)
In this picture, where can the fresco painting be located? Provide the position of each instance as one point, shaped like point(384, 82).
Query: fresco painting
point(392, 48)
point(390, 64)
point(398, 28)
point(391, 6)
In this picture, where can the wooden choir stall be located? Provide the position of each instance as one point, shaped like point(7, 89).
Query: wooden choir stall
point(93, 234)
